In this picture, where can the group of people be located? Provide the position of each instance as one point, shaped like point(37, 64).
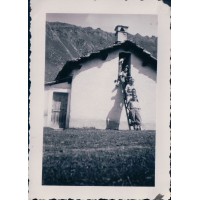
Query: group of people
point(127, 83)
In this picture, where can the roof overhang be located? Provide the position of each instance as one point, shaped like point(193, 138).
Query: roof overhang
point(71, 65)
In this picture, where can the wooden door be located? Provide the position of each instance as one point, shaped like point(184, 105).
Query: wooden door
point(59, 110)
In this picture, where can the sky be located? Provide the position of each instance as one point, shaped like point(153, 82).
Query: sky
point(145, 25)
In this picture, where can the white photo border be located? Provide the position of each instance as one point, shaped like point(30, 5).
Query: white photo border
point(37, 69)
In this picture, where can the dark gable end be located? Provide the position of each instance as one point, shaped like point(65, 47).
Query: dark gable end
point(64, 74)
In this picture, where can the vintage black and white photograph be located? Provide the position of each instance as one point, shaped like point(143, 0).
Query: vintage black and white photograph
point(100, 100)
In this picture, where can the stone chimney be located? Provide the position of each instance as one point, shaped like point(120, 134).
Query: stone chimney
point(120, 33)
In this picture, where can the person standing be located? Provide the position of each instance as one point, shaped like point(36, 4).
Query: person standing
point(129, 89)
point(134, 111)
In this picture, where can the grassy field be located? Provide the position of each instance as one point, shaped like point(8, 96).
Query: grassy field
point(98, 157)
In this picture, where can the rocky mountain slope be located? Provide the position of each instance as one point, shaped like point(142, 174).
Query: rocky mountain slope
point(66, 42)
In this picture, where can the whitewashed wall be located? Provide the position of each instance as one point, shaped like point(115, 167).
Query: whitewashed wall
point(95, 102)
point(145, 85)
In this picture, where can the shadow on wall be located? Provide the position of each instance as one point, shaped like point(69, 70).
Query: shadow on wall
point(95, 63)
point(147, 71)
point(113, 117)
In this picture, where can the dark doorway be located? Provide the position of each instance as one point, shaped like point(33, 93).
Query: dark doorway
point(59, 109)
point(127, 61)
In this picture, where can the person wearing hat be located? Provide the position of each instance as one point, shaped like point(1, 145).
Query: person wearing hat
point(128, 89)
point(134, 111)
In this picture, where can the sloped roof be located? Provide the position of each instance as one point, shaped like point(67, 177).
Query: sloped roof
point(63, 74)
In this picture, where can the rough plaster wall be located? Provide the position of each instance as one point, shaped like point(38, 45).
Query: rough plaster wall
point(95, 102)
point(93, 94)
point(145, 84)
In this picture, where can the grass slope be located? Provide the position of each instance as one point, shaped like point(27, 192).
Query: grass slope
point(98, 157)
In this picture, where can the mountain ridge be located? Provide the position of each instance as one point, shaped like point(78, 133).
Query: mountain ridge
point(66, 42)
